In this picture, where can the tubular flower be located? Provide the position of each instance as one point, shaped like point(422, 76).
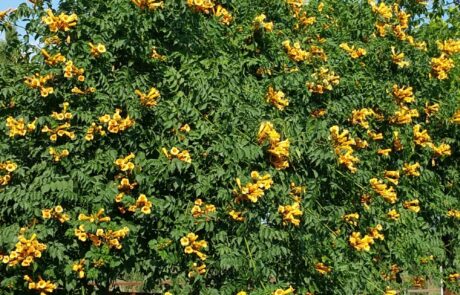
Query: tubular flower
point(360, 243)
point(398, 58)
point(253, 191)
point(397, 145)
point(94, 218)
point(115, 123)
point(430, 110)
point(278, 150)
point(412, 169)
point(297, 7)
point(393, 214)
point(92, 130)
point(455, 118)
point(42, 286)
point(412, 205)
point(39, 82)
point(322, 268)
point(237, 216)
point(359, 117)
point(392, 176)
point(354, 53)
point(53, 60)
point(403, 94)
point(421, 137)
point(149, 99)
point(289, 290)
point(382, 10)
point(295, 53)
point(204, 6)
point(454, 277)
point(323, 80)
point(155, 55)
point(148, 4)
point(449, 47)
point(62, 22)
point(63, 115)
point(79, 268)
point(125, 164)
point(55, 213)
point(79, 91)
point(351, 218)
point(374, 232)
point(404, 116)
point(199, 209)
point(110, 237)
point(4, 13)
point(290, 213)
point(70, 70)
point(343, 148)
point(143, 204)
point(26, 251)
point(389, 291)
point(276, 98)
point(197, 270)
point(97, 49)
point(63, 129)
point(8, 168)
point(183, 155)
point(192, 245)
point(384, 152)
point(19, 127)
point(441, 66)
point(388, 193)
point(126, 186)
point(259, 23)
point(225, 17)
point(374, 135)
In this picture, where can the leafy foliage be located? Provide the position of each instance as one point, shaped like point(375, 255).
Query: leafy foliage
point(213, 199)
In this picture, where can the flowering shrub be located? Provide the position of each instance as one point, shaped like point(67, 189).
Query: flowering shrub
point(230, 147)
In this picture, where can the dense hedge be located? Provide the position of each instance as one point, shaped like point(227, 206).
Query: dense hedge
point(224, 147)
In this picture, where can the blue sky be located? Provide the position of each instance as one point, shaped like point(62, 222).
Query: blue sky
point(5, 4)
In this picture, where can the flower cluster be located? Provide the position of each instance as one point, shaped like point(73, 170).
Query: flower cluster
point(70, 70)
point(192, 245)
point(441, 66)
point(39, 82)
point(79, 91)
point(323, 80)
point(7, 168)
point(148, 4)
point(79, 268)
point(55, 213)
point(19, 127)
point(359, 117)
point(62, 22)
point(398, 58)
point(149, 99)
point(297, 7)
point(354, 53)
point(411, 169)
point(403, 94)
point(26, 250)
point(343, 147)
point(236, 215)
point(200, 208)
point(94, 129)
point(197, 270)
point(125, 185)
point(97, 49)
point(110, 237)
point(454, 213)
point(63, 129)
point(174, 152)
point(412, 205)
point(351, 218)
point(42, 286)
point(364, 243)
point(260, 23)
point(290, 213)
point(276, 98)
point(278, 150)
point(53, 60)
point(125, 164)
point(388, 193)
point(449, 47)
point(155, 55)
point(142, 203)
point(254, 190)
point(115, 123)
point(209, 7)
point(322, 268)
point(295, 52)
point(404, 116)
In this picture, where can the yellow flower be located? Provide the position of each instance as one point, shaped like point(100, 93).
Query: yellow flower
point(403, 94)
point(354, 53)
point(393, 214)
point(360, 244)
point(223, 14)
point(149, 99)
point(412, 169)
point(398, 58)
point(62, 22)
point(259, 23)
point(296, 53)
point(441, 66)
point(276, 98)
point(412, 205)
point(97, 50)
point(148, 4)
point(322, 268)
point(351, 218)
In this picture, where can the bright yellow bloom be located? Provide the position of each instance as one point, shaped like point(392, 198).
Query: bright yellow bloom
point(148, 4)
point(404, 116)
point(53, 60)
point(421, 137)
point(254, 190)
point(149, 99)
point(225, 17)
point(403, 94)
point(125, 164)
point(351, 218)
point(449, 47)
point(259, 23)
point(454, 213)
point(290, 213)
point(289, 290)
point(97, 50)
point(39, 82)
point(295, 53)
point(237, 216)
point(382, 10)
point(393, 214)
point(398, 58)
point(323, 80)
point(388, 193)
point(412, 169)
point(276, 98)
point(354, 53)
point(441, 66)
point(62, 22)
point(360, 244)
point(412, 205)
point(192, 245)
